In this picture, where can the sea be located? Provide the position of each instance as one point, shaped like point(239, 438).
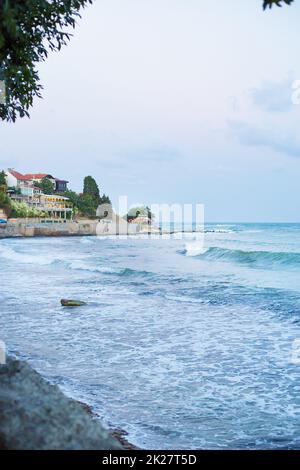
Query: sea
point(182, 344)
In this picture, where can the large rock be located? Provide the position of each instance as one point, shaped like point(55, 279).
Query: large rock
point(72, 303)
point(35, 414)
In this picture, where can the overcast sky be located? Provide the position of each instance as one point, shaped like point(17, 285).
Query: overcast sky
point(173, 101)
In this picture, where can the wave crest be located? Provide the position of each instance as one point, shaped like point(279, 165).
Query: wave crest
point(256, 258)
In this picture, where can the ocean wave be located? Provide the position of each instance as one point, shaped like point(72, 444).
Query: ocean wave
point(194, 248)
point(185, 299)
point(83, 266)
point(256, 258)
point(64, 261)
point(120, 271)
point(134, 272)
point(8, 253)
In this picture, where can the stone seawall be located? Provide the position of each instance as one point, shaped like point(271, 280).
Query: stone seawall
point(31, 229)
point(81, 227)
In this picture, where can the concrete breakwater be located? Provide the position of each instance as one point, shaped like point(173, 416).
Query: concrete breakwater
point(80, 227)
point(31, 228)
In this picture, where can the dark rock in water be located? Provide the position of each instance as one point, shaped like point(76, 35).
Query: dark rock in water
point(72, 303)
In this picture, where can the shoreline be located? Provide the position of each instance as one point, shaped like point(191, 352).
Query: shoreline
point(36, 415)
point(24, 228)
point(117, 433)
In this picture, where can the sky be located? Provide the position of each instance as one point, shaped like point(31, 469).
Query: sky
point(173, 101)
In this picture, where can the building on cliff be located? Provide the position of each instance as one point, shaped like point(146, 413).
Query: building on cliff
point(16, 179)
point(22, 188)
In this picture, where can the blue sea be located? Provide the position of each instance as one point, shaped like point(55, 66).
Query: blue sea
point(182, 346)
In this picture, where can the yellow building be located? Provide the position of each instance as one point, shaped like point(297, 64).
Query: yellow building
point(56, 206)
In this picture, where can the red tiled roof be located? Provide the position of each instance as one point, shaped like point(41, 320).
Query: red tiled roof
point(33, 176)
point(141, 220)
point(36, 176)
point(28, 176)
point(18, 175)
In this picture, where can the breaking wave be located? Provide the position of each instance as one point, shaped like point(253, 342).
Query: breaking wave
point(10, 254)
point(64, 261)
point(255, 258)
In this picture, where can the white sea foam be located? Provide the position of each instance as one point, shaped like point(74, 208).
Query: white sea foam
point(182, 298)
point(84, 266)
point(8, 253)
point(195, 248)
point(87, 241)
point(206, 344)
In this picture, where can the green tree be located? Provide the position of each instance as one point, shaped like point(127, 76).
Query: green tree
point(143, 211)
point(29, 29)
point(104, 199)
point(46, 186)
point(86, 205)
point(2, 178)
point(4, 198)
point(22, 209)
point(19, 209)
point(90, 187)
point(270, 3)
point(72, 196)
point(73, 199)
point(5, 201)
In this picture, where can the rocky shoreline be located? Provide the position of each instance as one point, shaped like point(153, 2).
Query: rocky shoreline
point(36, 415)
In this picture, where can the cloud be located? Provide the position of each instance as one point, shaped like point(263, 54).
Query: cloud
point(270, 120)
point(273, 97)
point(278, 140)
